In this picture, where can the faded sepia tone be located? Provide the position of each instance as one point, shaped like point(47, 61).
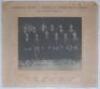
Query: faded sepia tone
point(84, 76)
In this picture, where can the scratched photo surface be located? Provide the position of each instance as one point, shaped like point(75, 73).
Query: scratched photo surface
point(49, 43)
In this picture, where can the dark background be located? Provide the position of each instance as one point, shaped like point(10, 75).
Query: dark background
point(43, 52)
